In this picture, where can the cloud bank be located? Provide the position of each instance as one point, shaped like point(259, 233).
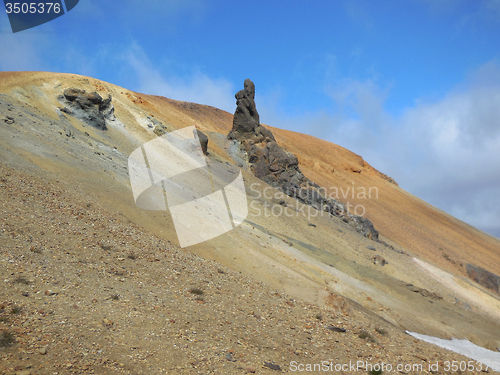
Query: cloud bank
point(445, 151)
point(194, 86)
point(453, 160)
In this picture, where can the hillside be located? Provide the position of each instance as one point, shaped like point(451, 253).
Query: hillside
point(72, 234)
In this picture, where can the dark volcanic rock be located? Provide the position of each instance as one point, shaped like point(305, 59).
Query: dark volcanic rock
point(280, 168)
point(88, 107)
point(246, 117)
point(485, 278)
point(246, 124)
point(272, 366)
point(274, 165)
point(203, 141)
point(365, 227)
point(9, 120)
point(336, 329)
point(423, 292)
point(268, 160)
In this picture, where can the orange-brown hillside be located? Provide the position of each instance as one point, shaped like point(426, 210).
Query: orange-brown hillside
point(396, 214)
point(77, 249)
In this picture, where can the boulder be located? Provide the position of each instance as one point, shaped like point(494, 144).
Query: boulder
point(9, 120)
point(91, 107)
point(364, 226)
point(378, 260)
point(203, 141)
point(485, 278)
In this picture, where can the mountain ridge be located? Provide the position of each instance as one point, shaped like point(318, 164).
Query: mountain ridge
point(328, 157)
point(313, 258)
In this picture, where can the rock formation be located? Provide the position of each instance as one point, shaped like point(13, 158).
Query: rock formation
point(485, 278)
point(88, 107)
point(268, 160)
point(279, 168)
point(246, 124)
point(203, 141)
point(379, 260)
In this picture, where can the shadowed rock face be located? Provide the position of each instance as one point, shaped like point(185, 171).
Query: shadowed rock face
point(246, 124)
point(88, 107)
point(246, 117)
point(203, 141)
point(280, 168)
point(268, 161)
point(485, 278)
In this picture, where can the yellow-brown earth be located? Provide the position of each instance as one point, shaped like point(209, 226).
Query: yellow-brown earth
point(70, 223)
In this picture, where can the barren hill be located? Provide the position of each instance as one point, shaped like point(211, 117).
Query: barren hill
point(269, 289)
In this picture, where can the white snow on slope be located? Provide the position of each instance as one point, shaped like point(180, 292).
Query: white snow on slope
point(466, 348)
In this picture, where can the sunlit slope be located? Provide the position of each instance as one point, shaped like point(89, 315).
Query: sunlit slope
point(398, 216)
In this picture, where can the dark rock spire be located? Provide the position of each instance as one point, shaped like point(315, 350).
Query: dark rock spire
point(280, 168)
point(246, 124)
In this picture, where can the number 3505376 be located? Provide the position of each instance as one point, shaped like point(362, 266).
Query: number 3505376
point(33, 8)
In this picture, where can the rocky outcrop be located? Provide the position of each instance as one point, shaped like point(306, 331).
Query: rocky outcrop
point(268, 160)
point(91, 108)
point(280, 168)
point(246, 123)
point(203, 141)
point(423, 292)
point(485, 278)
point(379, 260)
point(9, 120)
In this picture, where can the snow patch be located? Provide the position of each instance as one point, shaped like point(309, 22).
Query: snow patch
point(464, 347)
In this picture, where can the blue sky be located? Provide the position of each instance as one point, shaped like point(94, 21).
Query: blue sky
point(411, 85)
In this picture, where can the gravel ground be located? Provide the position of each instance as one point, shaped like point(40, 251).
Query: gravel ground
point(86, 291)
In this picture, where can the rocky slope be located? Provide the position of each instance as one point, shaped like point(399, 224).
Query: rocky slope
point(71, 234)
point(86, 291)
point(279, 168)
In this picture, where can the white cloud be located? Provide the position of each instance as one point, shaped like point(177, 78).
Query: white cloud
point(445, 151)
point(459, 169)
point(194, 87)
point(20, 51)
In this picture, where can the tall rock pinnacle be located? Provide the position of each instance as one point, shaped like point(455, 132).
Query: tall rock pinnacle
point(246, 124)
point(280, 168)
point(246, 117)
